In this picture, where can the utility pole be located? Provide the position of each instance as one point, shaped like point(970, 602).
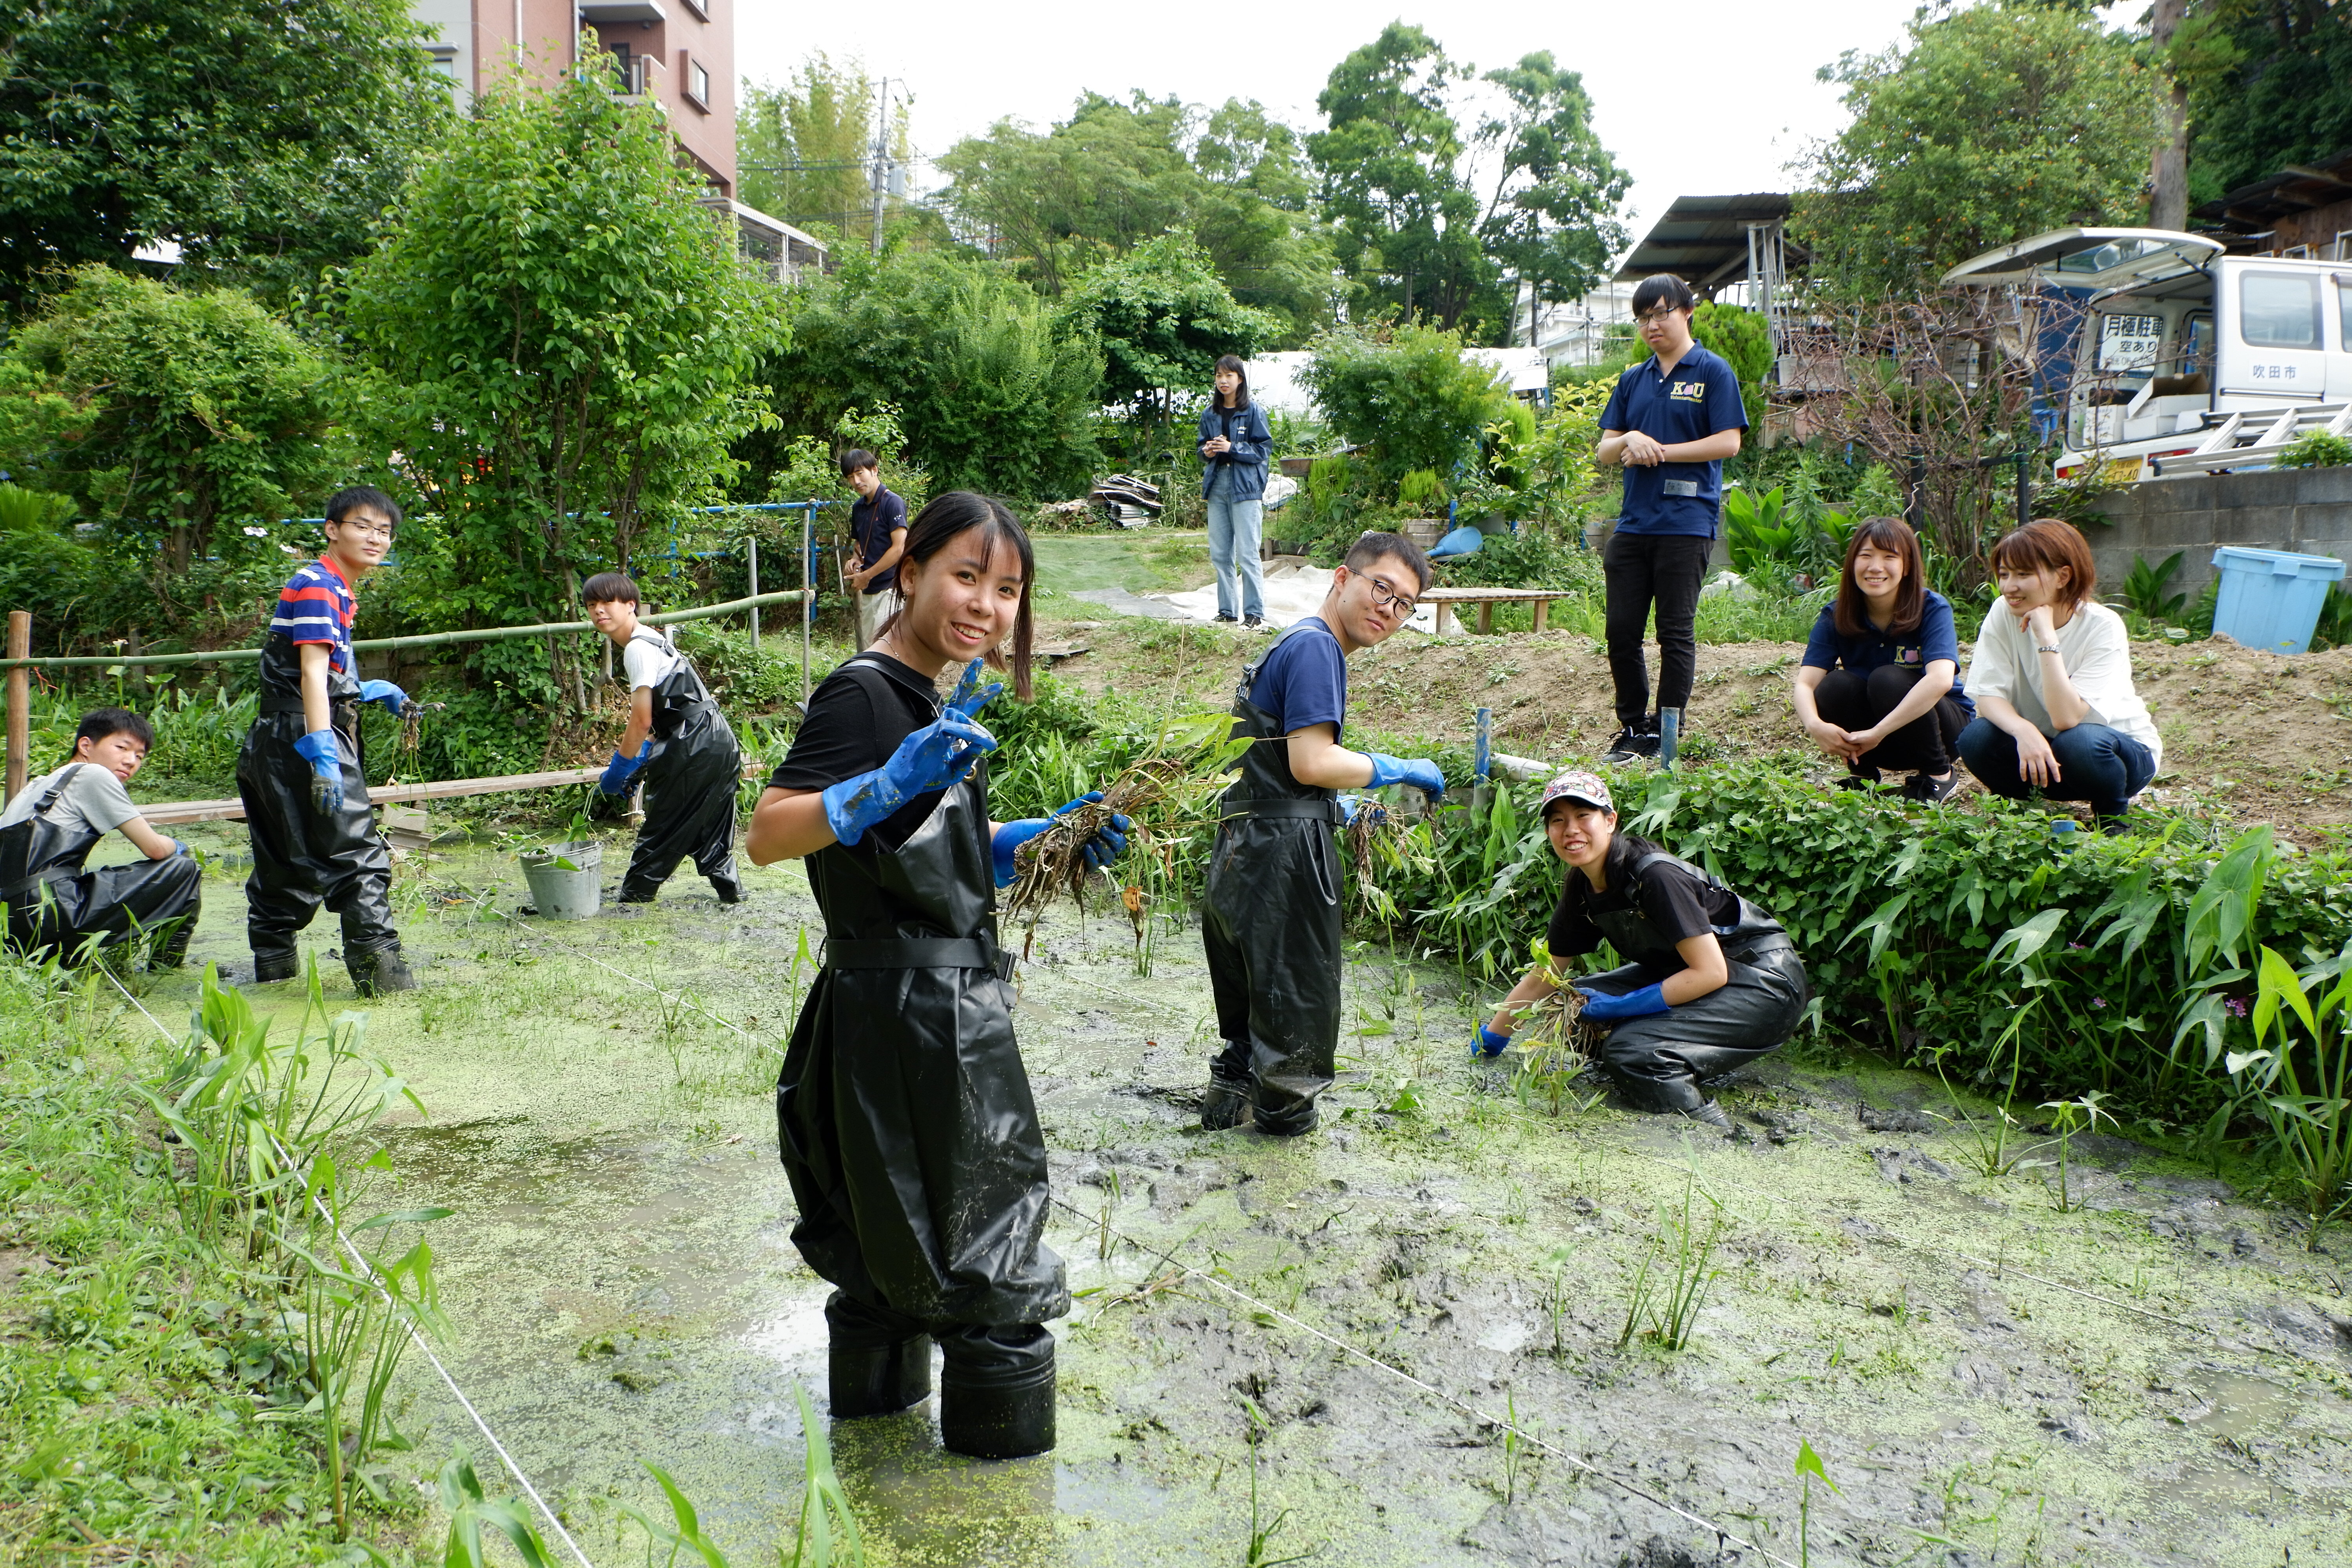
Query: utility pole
point(881, 158)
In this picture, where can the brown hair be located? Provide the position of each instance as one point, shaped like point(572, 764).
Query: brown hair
point(2045, 544)
point(942, 519)
point(1893, 535)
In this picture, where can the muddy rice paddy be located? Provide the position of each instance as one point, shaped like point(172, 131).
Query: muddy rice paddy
point(1426, 1300)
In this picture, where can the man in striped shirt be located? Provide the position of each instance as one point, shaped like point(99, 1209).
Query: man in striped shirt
point(300, 775)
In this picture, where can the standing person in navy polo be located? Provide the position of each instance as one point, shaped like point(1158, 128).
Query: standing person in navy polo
point(1670, 423)
point(305, 804)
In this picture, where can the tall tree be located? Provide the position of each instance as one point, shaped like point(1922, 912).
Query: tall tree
point(1390, 161)
point(566, 343)
point(1552, 218)
point(2269, 84)
point(1163, 317)
point(1055, 201)
point(1986, 124)
point(805, 150)
point(1118, 175)
point(265, 136)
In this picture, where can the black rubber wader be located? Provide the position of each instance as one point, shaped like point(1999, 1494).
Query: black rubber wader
point(1659, 1060)
point(301, 857)
point(906, 1124)
point(1272, 928)
point(54, 903)
point(691, 782)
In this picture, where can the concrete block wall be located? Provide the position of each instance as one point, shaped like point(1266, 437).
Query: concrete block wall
point(2308, 510)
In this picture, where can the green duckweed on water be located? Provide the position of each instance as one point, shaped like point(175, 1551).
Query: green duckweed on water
point(2160, 1373)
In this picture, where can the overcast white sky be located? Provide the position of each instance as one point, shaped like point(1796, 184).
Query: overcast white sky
point(1694, 97)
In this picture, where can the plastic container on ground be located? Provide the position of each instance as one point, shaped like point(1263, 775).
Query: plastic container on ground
point(562, 878)
point(2271, 599)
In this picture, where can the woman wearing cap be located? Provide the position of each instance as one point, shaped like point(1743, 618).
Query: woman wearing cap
point(1712, 981)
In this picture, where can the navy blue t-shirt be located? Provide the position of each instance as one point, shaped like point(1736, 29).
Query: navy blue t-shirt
point(1698, 398)
point(1303, 680)
point(872, 521)
point(1933, 639)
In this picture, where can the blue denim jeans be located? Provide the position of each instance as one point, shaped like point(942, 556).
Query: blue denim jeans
point(2104, 766)
point(1233, 530)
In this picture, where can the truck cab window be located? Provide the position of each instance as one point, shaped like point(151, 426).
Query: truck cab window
point(2279, 309)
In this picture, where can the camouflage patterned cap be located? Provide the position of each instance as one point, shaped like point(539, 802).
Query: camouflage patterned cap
point(1575, 784)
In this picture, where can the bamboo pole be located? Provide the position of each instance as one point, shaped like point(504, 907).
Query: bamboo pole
point(752, 546)
point(372, 645)
point(808, 596)
point(20, 700)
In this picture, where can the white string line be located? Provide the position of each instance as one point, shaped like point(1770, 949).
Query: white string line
point(416, 1337)
point(1630, 1488)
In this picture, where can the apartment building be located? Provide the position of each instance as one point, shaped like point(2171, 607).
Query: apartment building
point(677, 54)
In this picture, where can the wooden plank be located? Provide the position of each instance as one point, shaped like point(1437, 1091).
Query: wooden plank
point(1485, 617)
point(1494, 595)
point(171, 813)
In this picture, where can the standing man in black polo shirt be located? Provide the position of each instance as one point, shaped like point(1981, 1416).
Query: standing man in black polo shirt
point(1670, 423)
point(877, 522)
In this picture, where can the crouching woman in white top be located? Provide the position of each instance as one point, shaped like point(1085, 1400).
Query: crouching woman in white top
point(2052, 679)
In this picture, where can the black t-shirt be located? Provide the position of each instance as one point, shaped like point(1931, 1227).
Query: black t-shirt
point(847, 733)
point(871, 523)
point(1679, 906)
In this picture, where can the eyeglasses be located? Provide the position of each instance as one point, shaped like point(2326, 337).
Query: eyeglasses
point(368, 530)
point(1388, 600)
point(1656, 317)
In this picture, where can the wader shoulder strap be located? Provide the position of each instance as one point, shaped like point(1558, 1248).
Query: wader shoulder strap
point(876, 682)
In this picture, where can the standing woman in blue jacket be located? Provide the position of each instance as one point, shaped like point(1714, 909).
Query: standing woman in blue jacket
point(1234, 441)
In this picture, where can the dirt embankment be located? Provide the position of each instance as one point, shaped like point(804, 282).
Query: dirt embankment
point(2256, 736)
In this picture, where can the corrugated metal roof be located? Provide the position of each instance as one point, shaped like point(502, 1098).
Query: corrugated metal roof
point(1701, 237)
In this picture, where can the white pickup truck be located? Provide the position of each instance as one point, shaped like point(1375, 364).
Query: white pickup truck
point(2185, 353)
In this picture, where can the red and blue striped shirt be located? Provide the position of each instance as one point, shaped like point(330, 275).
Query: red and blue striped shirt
point(316, 605)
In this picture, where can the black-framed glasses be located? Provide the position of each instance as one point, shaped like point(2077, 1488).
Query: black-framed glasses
point(1658, 317)
point(367, 530)
point(1388, 599)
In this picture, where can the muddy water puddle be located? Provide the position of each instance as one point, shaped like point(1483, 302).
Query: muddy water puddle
point(2155, 1379)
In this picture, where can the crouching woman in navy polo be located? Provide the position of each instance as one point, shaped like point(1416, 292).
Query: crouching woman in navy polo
point(1710, 983)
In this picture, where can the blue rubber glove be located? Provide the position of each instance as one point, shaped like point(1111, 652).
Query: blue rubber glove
point(933, 757)
point(621, 769)
point(326, 759)
point(1419, 772)
point(1490, 1044)
point(179, 846)
point(1604, 1008)
point(970, 696)
point(383, 691)
point(1350, 805)
point(1108, 845)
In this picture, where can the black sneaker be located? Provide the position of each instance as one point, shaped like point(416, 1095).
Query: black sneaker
point(1862, 780)
point(1253, 622)
point(1929, 790)
point(1630, 746)
point(1223, 616)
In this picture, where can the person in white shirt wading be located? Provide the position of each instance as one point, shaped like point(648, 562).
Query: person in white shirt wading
point(2052, 679)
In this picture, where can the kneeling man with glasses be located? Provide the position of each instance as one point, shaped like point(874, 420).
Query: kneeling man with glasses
point(1272, 922)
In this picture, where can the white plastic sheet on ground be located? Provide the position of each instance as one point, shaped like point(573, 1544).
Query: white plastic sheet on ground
point(1292, 594)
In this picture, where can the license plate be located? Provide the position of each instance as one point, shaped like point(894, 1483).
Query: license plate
point(2122, 471)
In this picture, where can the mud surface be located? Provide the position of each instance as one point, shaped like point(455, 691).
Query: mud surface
point(2162, 1375)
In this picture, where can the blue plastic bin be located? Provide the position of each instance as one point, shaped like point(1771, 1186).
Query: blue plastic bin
point(2270, 598)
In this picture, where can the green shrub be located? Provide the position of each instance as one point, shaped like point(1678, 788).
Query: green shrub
point(1409, 398)
point(1533, 557)
point(2319, 449)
